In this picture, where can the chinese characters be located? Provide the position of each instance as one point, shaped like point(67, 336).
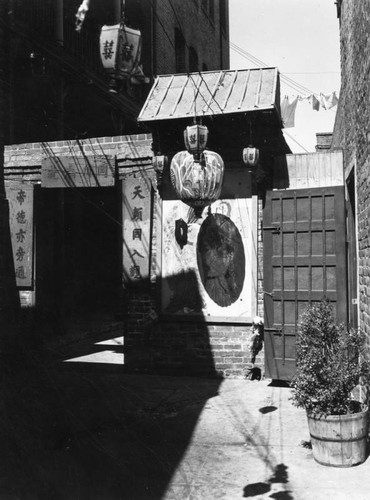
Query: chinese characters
point(136, 217)
point(21, 222)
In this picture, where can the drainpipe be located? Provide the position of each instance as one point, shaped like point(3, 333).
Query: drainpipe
point(221, 62)
point(59, 38)
point(153, 37)
point(59, 244)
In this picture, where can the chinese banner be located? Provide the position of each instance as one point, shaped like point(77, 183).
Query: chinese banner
point(20, 199)
point(76, 171)
point(136, 217)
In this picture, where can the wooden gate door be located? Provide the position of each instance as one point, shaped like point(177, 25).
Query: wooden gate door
point(304, 259)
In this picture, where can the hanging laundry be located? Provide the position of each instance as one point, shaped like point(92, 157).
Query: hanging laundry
point(333, 100)
point(288, 109)
point(315, 103)
point(323, 99)
point(329, 100)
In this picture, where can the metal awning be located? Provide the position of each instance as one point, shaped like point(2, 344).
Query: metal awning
point(212, 93)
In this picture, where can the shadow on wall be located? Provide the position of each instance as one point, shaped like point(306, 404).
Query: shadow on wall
point(9, 297)
point(170, 345)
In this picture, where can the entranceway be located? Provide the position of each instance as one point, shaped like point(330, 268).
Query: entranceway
point(304, 260)
point(77, 249)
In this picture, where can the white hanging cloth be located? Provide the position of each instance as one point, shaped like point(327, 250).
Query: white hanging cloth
point(288, 109)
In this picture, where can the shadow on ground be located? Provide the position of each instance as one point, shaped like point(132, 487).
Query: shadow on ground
point(91, 431)
point(278, 479)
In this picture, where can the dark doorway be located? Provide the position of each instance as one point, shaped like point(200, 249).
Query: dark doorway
point(77, 250)
point(351, 251)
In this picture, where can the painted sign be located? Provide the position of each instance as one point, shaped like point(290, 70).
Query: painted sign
point(213, 274)
point(136, 217)
point(77, 171)
point(20, 198)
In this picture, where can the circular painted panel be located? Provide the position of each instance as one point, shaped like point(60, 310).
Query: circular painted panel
point(221, 259)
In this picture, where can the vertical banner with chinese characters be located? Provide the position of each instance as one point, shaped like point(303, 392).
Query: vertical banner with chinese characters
point(20, 199)
point(136, 208)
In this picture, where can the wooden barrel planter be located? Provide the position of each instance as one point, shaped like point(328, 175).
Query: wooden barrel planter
point(339, 440)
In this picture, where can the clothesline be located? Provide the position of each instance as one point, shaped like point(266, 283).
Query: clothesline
point(317, 101)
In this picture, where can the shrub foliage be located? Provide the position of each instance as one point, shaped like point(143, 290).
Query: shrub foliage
point(330, 363)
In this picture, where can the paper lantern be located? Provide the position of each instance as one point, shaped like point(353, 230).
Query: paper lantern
point(120, 52)
point(195, 138)
point(198, 184)
point(251, 156)
point(159, 163)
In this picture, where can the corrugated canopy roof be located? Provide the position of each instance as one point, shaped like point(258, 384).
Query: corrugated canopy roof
point(212, 93)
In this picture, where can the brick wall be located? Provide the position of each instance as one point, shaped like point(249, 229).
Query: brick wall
point(351, 125)
point(186, 347)
point(21, 158)
point(151, 344)
point(199, 32)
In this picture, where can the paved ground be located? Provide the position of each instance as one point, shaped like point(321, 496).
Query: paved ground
point(76, 427)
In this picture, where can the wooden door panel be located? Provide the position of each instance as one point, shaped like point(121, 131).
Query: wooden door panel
point(304, 260)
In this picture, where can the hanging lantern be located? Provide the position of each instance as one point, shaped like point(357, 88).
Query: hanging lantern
point(195, 138)
point(251, 156)
point(198, 184)
point(120, 53)
point(159, 163)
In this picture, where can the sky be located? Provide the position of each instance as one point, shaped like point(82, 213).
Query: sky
point(300, 38)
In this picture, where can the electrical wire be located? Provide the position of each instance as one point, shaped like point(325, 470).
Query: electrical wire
point(295, 140)
point(297, 87)
point(289, 82)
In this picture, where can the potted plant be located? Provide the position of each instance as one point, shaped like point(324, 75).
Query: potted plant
point(330, 366)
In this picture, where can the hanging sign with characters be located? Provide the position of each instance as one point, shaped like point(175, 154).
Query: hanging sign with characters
point(136, 207)
point(20, 198)
point(77, 171)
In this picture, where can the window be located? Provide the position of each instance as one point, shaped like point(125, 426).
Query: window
point(223, 16)
point(180, 51)
point(193, 60)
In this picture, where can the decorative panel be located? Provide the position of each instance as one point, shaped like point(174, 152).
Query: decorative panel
point(209, 267)
point(77, 171)
point(20, 198)
point(136, 220)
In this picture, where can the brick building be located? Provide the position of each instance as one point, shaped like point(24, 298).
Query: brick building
point(100, 242)
point(55, 84)
point(86, 239)
point(351, 136)
point(64, 130)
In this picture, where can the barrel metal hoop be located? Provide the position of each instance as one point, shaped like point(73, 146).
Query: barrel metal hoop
point(332, 440)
